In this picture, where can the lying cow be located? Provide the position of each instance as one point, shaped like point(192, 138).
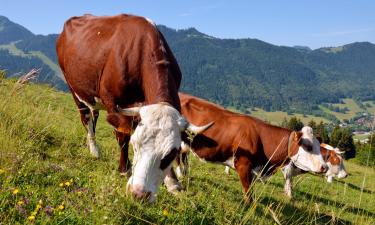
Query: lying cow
point(246, 144)
point(116, 62)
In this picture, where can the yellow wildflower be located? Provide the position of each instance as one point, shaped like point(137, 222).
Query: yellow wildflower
point(38, 207)
point(15, 191)
point(67, 183)
point(61, 184)
point(71, 180)
point(20, 202)
point(165, 212)
point(34, 213)
point(61, 207)
point(31, 218)
point(40, 202)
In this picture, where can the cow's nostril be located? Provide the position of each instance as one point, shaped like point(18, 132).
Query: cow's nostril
point(142, 195)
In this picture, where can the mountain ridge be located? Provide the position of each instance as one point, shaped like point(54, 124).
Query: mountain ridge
point(243, 73)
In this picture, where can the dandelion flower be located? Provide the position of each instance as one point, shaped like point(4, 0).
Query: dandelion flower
point(61, 184)
point(15, 191)
point(67, 183)
point(61, 207)
point(165, 212)
point(31, 218)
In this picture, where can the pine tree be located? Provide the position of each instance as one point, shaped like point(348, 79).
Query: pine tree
point(312, 124)
point(322, 132)
point(295, 124)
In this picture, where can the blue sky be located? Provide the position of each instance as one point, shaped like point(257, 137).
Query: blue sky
point(313, 23)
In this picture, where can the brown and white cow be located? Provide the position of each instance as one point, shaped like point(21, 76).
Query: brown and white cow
point(116, 62)
point(246, 144)
point(334, 162)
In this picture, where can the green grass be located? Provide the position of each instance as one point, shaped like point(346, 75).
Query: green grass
point(278, 116)
point(42, 146)
point(371, 109)
point(350, 104)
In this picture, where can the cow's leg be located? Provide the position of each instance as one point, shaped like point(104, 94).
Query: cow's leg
point(329, 179)
point(289, 171)
point(89, 118)
point(243, 168)
point(171, 182)
point(227, 170)
point(91, 125)
point(182, 165)
point(124, 163)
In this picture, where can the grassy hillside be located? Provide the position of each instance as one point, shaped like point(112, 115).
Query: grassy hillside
point(278, 116)
point(47, 176)
point(350, 104)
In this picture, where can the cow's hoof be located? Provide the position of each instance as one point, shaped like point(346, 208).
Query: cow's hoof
point(94, 150)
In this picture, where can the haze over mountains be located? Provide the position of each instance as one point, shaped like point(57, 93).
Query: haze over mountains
point(233, 72)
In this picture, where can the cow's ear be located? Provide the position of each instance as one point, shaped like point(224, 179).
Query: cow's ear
point(119, 123)
point(297, 136)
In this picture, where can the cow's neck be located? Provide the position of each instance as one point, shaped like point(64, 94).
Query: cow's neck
point(276, 148)
point(161, 90)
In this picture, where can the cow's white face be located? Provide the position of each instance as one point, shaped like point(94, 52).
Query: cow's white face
point(308, 157)
point(156, 142)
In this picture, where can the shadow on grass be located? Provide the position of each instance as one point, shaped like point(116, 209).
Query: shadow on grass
point(355, 187)
point(301, 195)
point(294, 215)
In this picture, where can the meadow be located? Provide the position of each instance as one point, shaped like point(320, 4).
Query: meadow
point(47, 176)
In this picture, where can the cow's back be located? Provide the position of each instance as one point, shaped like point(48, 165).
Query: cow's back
point(231, 131)
point(114, 52)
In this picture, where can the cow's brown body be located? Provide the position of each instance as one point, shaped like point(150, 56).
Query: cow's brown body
point(117, 61)
point(251, 142)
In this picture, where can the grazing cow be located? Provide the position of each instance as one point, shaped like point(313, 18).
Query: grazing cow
point(117, 62)
point(333, 159)
point(246, 144)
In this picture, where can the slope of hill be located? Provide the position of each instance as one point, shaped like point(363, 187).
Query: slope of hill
point(241, 73)
point(21, 50)
point(47, 176)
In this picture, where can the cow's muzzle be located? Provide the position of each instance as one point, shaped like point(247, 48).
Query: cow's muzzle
point(323, 168)
point(138, 192)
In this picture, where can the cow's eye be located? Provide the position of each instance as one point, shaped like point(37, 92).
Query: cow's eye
point(168, 159)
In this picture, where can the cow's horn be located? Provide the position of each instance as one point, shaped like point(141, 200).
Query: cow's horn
point(199, 129)
point(134, 111)
point(337, 150)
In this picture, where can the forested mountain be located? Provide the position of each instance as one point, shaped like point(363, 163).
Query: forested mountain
point(21, 50)
point(233, 72)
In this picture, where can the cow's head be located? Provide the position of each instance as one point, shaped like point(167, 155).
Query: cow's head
point(156, 142)
point(305, 151)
